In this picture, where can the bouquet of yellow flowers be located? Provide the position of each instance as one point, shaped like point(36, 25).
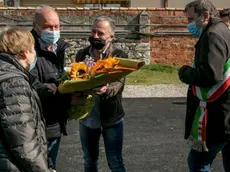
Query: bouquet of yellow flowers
point(83, 76)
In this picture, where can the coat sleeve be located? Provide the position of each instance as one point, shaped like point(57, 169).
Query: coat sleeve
point(21, 127)
point(43, 91)
point(211, 67)
point(116, 87)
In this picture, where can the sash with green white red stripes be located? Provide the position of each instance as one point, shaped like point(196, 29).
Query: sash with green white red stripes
point(205, 95)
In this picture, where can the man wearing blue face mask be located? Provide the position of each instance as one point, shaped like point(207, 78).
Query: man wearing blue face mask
point(207, 125)
point(225, 16)
point(50, 50)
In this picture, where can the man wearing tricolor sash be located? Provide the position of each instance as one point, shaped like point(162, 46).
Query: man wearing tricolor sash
point(225, 16)
point(207, 125)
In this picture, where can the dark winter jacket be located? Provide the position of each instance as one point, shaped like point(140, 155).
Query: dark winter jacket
point(212, 52)
point(49, 68)
point(23, 144)
point(111, 109)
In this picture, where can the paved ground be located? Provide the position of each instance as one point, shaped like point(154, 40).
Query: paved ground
point(153, 139)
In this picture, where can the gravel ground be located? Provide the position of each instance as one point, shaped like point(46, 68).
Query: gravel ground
point(158, 90)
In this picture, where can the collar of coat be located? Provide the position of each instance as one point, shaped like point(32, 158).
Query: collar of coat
point(211, 23)
point(16, 68)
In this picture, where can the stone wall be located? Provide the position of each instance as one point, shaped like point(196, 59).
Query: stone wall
point(135, 50)
point(157, 35)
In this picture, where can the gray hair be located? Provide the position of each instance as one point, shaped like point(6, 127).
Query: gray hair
point(201, 6)
point(108, 19)
point(38, 13)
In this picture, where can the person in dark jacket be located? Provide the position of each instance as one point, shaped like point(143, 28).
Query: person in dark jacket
point(225, 16)
point(106, 117)
point(207, 123)
point(50, 51)
point(23, 140)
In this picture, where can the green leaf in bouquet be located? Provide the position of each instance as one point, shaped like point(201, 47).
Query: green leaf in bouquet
point(81, 110)
point(65, 76)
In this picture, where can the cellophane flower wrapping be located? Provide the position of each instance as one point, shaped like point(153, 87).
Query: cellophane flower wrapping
point(74, 81)
point(81, 110)
point(68, 85)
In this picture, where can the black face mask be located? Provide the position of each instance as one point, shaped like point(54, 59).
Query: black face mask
point(97, 43)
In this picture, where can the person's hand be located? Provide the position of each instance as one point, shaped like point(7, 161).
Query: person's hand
point(181, 72)
point(101, 90)
point(52, 87)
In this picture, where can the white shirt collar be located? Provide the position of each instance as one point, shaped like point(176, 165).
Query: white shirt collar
point(54, 47)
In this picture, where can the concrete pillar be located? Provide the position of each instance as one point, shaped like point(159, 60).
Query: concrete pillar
point(144, 29)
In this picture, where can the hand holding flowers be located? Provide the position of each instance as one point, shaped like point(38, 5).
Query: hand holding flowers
point(87, 78)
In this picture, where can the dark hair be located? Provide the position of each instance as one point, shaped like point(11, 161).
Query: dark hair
point(201, 6)
point(225, 12)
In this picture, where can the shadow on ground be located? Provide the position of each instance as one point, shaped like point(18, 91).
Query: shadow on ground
point(153, 139)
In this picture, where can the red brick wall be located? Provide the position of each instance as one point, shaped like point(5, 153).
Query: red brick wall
point(174, 50)
point(170, 49)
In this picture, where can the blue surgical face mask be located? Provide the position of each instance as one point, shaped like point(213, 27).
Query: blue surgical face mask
point(33, 64)
point(50, 37)
point(194, 30)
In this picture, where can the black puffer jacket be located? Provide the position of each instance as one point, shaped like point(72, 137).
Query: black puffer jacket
point(22, 129)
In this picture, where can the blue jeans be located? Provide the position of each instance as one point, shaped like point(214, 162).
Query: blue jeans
point(113, 142)
point(226, 156)
point(202, 161)
point(53, 147)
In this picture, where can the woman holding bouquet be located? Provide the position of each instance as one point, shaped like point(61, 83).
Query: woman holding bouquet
point(106, 117)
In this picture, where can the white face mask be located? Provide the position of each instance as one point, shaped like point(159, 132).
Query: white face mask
point(49, 37)
point(32, 64)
